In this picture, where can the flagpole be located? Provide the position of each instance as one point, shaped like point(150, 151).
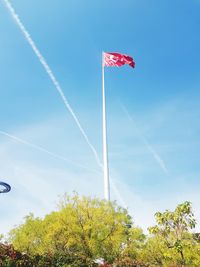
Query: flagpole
point(105, 152)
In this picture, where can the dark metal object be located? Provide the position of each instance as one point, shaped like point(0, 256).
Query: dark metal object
point(4, 187)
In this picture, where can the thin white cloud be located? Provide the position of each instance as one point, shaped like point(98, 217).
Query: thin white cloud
point(37, 175)
point(37, 185)
point(36, 189)
point(42, 149)
point(51, 76)
point(142, 208)
point(156, 156)
point(54, 80)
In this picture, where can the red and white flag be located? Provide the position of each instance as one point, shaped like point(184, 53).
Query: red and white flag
point(117, 60)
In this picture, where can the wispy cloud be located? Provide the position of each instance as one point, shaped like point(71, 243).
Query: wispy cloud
point(38, 178)
point(38, 175)
point(42, 149)
point(156, 156)
point(58, 88)
point(51, 76)
point(36, 189)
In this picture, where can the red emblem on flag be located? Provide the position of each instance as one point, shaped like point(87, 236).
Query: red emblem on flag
point(117, 60)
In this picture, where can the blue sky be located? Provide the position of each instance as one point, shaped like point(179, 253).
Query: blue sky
point(153, 111)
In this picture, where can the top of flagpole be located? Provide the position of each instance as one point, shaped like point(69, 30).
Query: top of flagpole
point(103, 59)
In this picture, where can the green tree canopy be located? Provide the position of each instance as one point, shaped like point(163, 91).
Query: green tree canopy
point(173, 235)
point(90, 228)
point(83, 230)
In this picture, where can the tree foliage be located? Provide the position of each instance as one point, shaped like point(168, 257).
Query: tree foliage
point(84, 231)
point(174, 237)
point(81, 227)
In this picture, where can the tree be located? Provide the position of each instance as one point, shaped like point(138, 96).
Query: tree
point(84, 231)
point(82, 228)
point(27, 237)
point(173, 229)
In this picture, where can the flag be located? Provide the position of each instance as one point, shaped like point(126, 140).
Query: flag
point(117, 60)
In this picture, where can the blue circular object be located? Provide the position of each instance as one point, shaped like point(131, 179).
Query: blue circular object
point(4, 187)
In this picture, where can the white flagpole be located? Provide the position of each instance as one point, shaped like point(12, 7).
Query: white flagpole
point(105, 152)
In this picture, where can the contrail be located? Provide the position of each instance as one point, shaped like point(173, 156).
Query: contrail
point(50, 74)
point(42, 149)
point(148, 146)
point(117, 193)
point(57, 86)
